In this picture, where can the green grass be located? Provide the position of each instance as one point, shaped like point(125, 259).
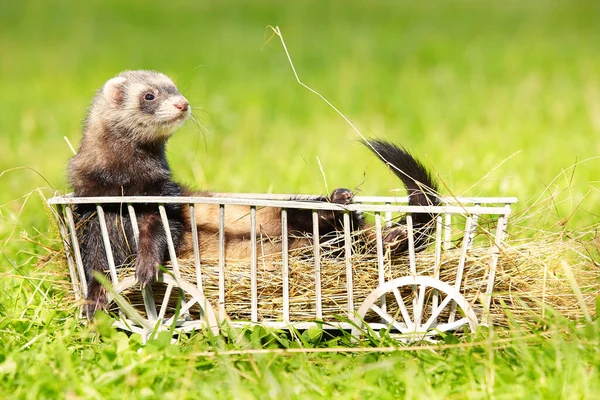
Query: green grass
point(465, 85)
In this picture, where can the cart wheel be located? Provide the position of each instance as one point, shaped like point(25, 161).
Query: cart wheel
point(181, 306)
point(416, 308)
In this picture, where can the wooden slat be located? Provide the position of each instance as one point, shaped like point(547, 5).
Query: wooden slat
point(317, 255)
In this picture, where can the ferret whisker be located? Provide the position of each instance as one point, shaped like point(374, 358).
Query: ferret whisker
point(198, 123)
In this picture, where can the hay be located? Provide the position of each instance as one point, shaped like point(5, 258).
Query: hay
point(529, 279)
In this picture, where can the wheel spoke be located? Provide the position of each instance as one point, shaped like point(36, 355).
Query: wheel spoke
point(436, 313)
point(402, 306)
point(414, 298)
point(165, 302)
point(452, 326)
point(420, 305)
point(183, 310)
point(388, 318)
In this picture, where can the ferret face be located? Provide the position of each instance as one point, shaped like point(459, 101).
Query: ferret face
point(144, 105)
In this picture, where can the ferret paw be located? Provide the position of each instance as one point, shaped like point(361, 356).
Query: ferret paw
point(96, 300)
point(332, 220)
point(145, 274)
point(341, 196)
point(396, 239)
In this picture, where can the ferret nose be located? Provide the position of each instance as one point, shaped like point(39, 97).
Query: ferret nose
point(182, 105)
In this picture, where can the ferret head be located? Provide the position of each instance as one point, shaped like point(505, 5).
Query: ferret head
point(144, 105)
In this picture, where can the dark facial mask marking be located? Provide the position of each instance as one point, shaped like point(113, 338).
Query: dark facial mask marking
point(149, 107)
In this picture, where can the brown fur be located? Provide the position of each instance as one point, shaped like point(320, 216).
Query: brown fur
point(268, 227)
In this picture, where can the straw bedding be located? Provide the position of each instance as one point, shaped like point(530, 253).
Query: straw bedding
point(532, 275)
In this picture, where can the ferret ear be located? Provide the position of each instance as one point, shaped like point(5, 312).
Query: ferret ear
point(114, 91)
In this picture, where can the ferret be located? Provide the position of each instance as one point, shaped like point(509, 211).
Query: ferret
point(122, 153)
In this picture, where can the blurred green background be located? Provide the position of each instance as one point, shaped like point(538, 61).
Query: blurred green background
point(463, 84)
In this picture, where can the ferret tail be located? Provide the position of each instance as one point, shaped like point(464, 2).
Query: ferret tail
point(421, 186)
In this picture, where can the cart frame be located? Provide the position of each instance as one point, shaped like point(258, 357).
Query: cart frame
point(407, 322)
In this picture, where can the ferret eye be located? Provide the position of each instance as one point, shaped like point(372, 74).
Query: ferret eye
point(149, 96)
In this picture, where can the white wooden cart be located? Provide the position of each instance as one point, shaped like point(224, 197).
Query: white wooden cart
point(425, 306)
